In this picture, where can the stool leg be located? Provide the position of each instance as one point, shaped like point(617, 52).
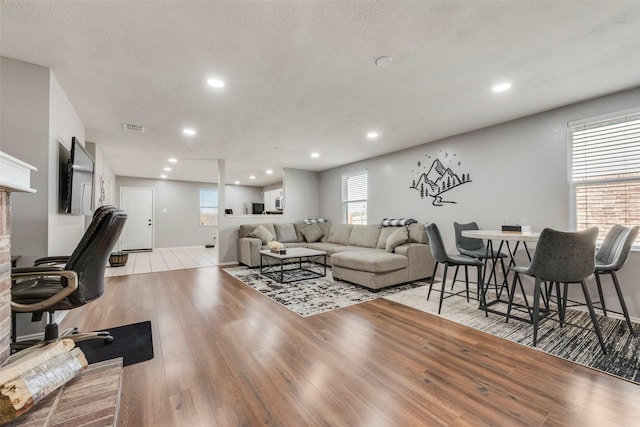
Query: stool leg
point(604, 308)
point(466, 279)
point(433, 277)
point(536, 309)
point(513, 290)
point(444, 279)
point(594, 319)
point(622, 303)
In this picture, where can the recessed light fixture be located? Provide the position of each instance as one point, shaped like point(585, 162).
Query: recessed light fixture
point(188, 131)
point(163, 176)
point(269, 171)
point(215, 83)
point(502, 87)
point(167, 169)
point(172, 160)
point(315, 155)
point(236, 182)
point(383, 60)
point(372, 135)
point(252, 177)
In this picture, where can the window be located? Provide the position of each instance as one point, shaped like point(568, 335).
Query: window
point(605, 173)
point(354, 197)
point(208, 207)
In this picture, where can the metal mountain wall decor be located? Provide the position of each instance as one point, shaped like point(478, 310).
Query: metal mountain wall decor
point(438, 178)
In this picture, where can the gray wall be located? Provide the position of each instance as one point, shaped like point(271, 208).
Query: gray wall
point(238, 195)
point(24, 134)
point(518, 171)
point(176, 211)
point(301, 189)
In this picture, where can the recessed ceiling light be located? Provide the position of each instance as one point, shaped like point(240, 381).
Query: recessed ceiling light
point(315, 155)
point(167, 169)
point(172, 160)
point(215, 83)
point(372, 135)
point(189, 132)
point(269, 171)
point(383, 60)
point(502, 87)
point(236, 182)
point(252, 177)
point(163, 176)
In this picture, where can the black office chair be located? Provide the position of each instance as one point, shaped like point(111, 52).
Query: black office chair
point(40, 290)
point(560, 257)
point(476, 248)
point(61, 260)
point(440, 255)
point(610, 258)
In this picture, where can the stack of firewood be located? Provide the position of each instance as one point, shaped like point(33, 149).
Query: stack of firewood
point(27, 379)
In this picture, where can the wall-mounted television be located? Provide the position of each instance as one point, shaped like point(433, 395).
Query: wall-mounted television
point(76, 180)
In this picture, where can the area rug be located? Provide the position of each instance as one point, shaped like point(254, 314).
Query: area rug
point(571, 343)
point(312, 296)
point(134, 343)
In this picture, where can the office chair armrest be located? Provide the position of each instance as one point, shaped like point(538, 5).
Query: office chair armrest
point(60, 259)
point(35, 272)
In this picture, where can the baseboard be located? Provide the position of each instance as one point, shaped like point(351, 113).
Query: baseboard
point(228, 263)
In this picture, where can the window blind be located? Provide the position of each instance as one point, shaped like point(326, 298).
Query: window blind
point(354, 197)
point(605, 173)
point(208, 207)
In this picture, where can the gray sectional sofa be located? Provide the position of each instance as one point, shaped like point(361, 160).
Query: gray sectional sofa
point(368, 255)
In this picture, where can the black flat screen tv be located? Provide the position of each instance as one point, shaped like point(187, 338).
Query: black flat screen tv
point(76, 181)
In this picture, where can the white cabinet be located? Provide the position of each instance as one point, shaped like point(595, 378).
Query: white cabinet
point(270, 199)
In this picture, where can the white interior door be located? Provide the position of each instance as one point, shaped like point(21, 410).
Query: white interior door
point(138, 230)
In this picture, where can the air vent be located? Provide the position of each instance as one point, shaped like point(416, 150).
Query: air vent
point(132, 128)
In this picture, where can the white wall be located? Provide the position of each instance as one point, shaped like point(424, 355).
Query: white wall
point(238, 195)
point(518, 170)
point(64, 230)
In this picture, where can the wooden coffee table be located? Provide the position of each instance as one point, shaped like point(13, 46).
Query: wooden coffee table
point(296, 264)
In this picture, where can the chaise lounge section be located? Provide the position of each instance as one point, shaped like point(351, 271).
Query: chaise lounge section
point(368, 255)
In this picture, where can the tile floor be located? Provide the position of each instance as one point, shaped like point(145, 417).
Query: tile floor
point(164, 259)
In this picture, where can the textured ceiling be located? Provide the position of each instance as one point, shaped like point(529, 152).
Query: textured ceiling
point(300, 76)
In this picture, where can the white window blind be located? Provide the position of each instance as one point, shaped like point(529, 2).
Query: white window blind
point(354, 197)
point(605, 173)
point(208, 207)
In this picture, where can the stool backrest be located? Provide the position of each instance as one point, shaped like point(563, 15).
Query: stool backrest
point(564, 256)
point(467, 243)
point(616, 246)
point(438, 250)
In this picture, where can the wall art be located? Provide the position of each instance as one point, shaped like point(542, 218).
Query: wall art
point(436, 177)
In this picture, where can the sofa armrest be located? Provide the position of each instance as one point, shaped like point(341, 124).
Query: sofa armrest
point(249, 251)
point(421, 261)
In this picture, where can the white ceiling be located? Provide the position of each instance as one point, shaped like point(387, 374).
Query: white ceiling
point(300, 76)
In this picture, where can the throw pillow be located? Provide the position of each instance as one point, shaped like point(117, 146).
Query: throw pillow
point(262, 233)
point(397, 238)
point(312, 233)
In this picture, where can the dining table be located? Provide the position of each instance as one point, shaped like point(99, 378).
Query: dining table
point(511, 241)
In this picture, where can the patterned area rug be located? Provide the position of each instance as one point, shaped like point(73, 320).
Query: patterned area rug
point(313, 296)
point(569, 342)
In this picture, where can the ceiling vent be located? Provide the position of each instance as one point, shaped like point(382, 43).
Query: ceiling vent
point(132, 128)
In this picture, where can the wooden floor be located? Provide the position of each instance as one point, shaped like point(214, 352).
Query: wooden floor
point(225, 355)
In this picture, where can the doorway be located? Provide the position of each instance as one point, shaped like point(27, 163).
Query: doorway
point(137, 234)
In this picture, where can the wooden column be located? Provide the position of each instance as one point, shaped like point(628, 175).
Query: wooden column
point(15, 176)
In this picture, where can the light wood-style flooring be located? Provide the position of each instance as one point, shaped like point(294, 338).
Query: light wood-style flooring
point(225, 355)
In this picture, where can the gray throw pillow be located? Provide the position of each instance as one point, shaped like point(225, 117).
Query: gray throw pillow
point(312, 233)
point(397, 238)
point(262, 233)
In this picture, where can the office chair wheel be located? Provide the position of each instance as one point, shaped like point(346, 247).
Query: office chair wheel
point(108, 340)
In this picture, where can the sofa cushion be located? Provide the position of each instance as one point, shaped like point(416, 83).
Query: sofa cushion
point(398, 237)
point(312, 233)
point(371, 261)
point(384, 235)
point(325, 227)
point(418, 234)
point(340, 233)
point(285, 233)
point(365, 235)
point(260, 232)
